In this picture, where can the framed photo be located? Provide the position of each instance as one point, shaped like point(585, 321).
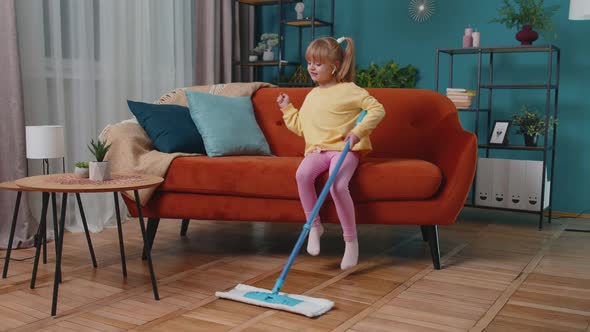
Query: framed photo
point(499, 134)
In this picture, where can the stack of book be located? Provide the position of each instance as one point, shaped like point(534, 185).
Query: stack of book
point(462, 98)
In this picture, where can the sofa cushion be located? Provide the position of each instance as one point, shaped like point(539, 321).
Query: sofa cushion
point(170, 127)
point(227, 125)
point(274, 177)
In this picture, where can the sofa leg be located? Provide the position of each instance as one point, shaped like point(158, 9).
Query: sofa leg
point(151, 229)
point(184, 227)
point(432, 236)
point(424, 233)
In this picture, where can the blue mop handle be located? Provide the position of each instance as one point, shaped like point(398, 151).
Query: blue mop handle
point(316, 209)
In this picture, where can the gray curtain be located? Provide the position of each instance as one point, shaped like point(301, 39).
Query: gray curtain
point(213, 41)
point(13, 163)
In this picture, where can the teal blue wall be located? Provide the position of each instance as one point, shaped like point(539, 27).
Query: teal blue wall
point(383, 31)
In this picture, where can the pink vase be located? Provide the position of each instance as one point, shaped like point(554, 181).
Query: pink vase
point(527, 35)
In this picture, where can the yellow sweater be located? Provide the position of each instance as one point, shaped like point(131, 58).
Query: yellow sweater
point(329, 114)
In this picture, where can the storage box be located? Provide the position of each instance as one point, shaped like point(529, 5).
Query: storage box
point(483, 182)
point(532, 186)
point(507, 183)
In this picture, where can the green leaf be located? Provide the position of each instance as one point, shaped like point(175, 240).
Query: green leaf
point(516, 13)
point(99, 149)
point(389, 75)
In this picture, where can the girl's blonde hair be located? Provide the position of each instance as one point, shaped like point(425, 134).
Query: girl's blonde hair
point(328, 50)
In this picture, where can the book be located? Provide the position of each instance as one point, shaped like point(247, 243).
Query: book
point(456, 97)
point(460, 91)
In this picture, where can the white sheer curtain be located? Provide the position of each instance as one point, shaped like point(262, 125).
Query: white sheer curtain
point(82, 59)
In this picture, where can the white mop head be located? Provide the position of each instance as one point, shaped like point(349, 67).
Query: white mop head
point(310, 306)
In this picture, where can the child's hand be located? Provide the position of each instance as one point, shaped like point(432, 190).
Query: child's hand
point(283, 100)
point(353, 138)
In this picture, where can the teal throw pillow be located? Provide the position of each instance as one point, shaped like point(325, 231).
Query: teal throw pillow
point(170, 127)
point(227, 125)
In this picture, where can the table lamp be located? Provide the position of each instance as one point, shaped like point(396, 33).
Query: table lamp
point(45, 142)
point(579, 10)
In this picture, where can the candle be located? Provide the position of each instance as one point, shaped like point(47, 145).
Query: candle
point(476, 38)
point(468, 38)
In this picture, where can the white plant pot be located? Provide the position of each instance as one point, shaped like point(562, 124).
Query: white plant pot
point(253, 58)
point(81, 172)
point(100, 171)
point(268, 56)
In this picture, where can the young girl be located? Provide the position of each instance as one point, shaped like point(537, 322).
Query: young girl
point(326, 120)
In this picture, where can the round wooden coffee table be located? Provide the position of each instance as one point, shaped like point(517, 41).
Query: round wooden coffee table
point(69, 183)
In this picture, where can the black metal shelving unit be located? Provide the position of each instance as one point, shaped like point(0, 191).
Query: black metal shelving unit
point(309, 22)
point(551, 86)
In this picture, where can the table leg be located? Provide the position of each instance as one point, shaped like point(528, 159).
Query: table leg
point(146, 245)
point(55, 222)
point(85, 224)
point(120, 231)
point(44, 241)
point(11, 236)
point(39, 239)
point(54, 208)
point(62, 228)
point(151, 229)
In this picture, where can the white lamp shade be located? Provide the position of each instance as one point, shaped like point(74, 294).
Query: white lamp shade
point(579, 10)
point(45, 142)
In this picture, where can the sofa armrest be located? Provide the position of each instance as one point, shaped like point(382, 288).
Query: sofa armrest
point(454, 151)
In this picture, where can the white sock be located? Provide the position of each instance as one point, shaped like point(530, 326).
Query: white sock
point(313, 239)
point(351, 255)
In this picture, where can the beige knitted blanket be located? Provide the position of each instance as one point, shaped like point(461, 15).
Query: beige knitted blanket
point(132, 150)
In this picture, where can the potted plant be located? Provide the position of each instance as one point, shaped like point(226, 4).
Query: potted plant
point(252, 56)
point(530, 124)
point(527, 15)
point(81, 169)
point(269, 41)
point(389, 75)
point(99, 169)
point(257, 51)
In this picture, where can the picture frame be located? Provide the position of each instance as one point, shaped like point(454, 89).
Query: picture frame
point(499, 134)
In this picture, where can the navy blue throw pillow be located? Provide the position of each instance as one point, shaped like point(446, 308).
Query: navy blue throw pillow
point(170, 127)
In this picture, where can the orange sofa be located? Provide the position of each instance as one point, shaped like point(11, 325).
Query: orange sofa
point(419, 171)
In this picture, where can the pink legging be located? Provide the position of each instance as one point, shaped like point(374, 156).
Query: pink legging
point(314, 164)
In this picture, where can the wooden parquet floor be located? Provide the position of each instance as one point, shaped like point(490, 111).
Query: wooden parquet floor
point(500, 273)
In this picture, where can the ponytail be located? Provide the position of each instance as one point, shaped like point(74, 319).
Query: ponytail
point(347, 73)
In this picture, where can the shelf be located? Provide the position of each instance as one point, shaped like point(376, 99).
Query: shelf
point(265, 63)
point(263, 2)
point(501, 49)
point(307, 23)
point(518, 86)
point(547, 149)
point(472, 110)
point(513, 147)
point(281, 14)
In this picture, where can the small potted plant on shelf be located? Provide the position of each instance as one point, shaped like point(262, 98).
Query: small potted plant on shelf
point(99, 169)
point(257, 51)
point(270, 40)
point(81, 169)
point(527, 15)
point(530, 124)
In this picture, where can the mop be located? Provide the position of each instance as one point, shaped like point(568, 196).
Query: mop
point(299, 304)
